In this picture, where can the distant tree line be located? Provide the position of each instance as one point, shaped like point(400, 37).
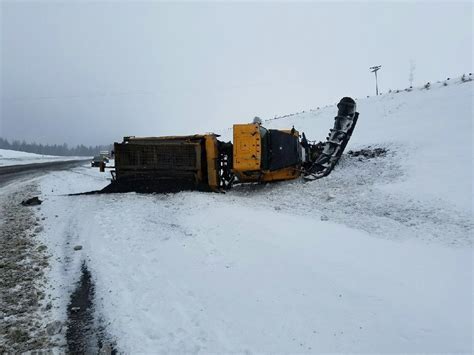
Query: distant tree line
point(55, 149)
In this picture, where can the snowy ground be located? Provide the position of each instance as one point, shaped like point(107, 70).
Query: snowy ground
point(13, 157)
point(25, 322)
point(375, 258)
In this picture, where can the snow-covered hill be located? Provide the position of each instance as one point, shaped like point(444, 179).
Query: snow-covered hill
point(375, 258)
point(13, 157)
point(428, 132)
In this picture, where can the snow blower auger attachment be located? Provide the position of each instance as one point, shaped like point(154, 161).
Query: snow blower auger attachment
point(324, 156)
point(202, 162)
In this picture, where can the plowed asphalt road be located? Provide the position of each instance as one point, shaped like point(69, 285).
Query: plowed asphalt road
point(13, 172)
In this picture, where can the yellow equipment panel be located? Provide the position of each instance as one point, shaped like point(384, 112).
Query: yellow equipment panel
point(211, 157)
point(281, 174)
point(247, 147)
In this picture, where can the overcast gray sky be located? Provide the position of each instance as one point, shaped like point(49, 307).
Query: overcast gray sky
point(92, 72)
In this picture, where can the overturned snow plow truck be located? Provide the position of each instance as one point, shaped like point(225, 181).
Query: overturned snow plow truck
point(202, 162)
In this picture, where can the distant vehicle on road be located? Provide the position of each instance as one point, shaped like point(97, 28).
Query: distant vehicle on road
point(95, 162)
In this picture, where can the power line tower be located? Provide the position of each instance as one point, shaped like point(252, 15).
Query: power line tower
point(374, 70)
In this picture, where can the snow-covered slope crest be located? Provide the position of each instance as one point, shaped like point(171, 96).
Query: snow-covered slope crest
point(13, 157)
point(428, 131)
point(461, 79)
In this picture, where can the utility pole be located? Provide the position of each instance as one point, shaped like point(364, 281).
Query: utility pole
point(412, 72)
point(374, 70)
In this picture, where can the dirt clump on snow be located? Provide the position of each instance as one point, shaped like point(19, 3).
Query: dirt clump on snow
point(24, 307)
point(34, 201)
point(368, 152)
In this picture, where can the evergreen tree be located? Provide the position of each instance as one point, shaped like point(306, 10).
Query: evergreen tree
point(47, 149)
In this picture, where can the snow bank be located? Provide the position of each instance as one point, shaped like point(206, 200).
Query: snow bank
point(13, 157)
point(196, 272)
point(430, 132)
point(377, 257)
